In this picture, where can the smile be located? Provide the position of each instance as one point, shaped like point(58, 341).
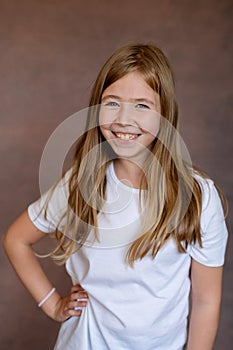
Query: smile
point(126, 136)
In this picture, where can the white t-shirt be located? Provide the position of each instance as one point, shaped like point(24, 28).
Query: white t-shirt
point(144, 307)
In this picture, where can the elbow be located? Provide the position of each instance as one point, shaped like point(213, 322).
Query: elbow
point(210, 307)
point(211, 302)
point(6, 241)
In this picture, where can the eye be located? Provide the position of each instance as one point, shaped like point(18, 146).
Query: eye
point(142, 106)
point(112, 104)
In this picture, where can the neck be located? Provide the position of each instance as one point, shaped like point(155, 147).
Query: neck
point(128, 172)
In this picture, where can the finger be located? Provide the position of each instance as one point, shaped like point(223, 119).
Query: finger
point(79, 296)
point(72, 312)
point(74, 308)
point(75, 301)
point(77, 288)
point(77, 304)
point(76, 313)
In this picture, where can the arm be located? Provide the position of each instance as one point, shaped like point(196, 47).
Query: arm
point(18, 241)
point(206, 285)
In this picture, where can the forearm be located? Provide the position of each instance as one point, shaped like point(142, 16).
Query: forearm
point(203, 325)
point(18, 241)
point(31, 274)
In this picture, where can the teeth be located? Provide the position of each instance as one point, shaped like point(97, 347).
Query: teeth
point(126, 136)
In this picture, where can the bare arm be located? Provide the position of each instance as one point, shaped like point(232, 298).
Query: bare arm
point(18, 241)
point(206, 299)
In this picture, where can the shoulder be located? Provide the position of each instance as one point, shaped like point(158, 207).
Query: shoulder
point(48, 210)
point(213, 205)
point(209, 191)
point(61, 186)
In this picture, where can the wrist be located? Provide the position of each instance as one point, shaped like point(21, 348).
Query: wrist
point(47, 296)
point(50, 306)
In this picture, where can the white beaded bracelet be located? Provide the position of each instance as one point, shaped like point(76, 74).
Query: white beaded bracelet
point(46, 297)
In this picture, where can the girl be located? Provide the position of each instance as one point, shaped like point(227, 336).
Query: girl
point(136, 225)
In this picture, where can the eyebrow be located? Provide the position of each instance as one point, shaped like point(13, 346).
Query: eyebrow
point(118, 98)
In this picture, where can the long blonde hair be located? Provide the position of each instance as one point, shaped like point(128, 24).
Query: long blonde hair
point(173, 199)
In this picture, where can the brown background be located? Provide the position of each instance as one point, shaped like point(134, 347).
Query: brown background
point(50, 53)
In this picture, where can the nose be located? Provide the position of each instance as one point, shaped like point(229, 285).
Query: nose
point(124, 115)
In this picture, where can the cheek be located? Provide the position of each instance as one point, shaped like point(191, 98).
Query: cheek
point(152, 125)
point(101, 119)
point(106, 116)
point(103, 131)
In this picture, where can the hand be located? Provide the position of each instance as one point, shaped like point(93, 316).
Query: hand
point(71, 304)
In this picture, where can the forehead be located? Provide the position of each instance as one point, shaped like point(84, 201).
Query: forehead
point(131, 85)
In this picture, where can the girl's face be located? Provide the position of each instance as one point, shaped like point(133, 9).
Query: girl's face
point(130, 115)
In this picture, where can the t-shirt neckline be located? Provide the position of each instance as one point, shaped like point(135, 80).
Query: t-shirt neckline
point(120, 183)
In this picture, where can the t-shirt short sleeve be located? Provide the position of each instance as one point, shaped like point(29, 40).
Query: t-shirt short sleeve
point(53, 203)
point(213, 228)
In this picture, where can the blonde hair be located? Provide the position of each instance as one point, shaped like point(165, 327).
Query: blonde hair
point(176, 210)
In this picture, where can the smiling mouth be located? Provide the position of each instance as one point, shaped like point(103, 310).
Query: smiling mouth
point(126, 136)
